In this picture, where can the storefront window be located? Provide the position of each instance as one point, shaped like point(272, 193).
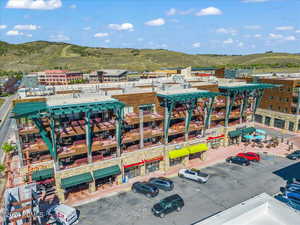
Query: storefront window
point(132, 171)
point(152, 166)
point(177, 161)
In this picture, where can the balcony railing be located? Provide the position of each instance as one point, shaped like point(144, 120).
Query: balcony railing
point(133, 118)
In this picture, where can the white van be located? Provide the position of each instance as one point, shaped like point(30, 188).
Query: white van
point(65, 215)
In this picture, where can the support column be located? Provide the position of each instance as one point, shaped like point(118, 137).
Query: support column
point(88, 133)
point(141, 116)
point(117, 137)
point(119, 119)
point(257, 101)
point(186, 132)
point(298, 103)
point(227, 110)
point(54, 143)
point(92, 186)
point(208, 110)
point(168, 115)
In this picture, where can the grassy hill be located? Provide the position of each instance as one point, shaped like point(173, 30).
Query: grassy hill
point(40, 55)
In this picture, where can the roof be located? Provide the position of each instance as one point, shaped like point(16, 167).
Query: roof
point(186, 96)
point(112, 72)
point(260, 210)
point(203, 68)
point(22, 109)
point(244, 87)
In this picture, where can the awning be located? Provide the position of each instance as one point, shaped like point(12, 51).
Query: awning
point(234, 133)
point(259, 137)
point(159, 158)
point(249, 137)
point(106, 172)
point(134, 164)
point(217, 137)
point(198, 148)
point(248, 130)
point(179, 153)
point(260, 131)
point(42, 174)
point(76, 180)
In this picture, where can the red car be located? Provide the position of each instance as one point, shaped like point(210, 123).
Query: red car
point(251, 156)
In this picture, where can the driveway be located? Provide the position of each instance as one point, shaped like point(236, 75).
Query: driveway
point(228, 186)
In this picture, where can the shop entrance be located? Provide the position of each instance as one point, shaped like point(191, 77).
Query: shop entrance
point(133, 171)
point(152, 166)
point(176, 161)
point(105, 181)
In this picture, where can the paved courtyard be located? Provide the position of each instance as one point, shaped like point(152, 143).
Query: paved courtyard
point(228, 186)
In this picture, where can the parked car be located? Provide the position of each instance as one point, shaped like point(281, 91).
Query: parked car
point(145, 188)
point(194, 174)
point(168, 205)
point(251, 156)
point(162, 183)
point(238, 160)
point(294, 155)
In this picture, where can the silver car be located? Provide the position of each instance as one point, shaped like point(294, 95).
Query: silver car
point(194, 174)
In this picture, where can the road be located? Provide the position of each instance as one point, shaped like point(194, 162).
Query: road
point(5, 125)
point(229, 185)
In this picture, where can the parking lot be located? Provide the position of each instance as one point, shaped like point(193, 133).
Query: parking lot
point(227, 186)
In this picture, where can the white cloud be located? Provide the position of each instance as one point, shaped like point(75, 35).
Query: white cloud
point(251, 1)
point(26, 27)
point(101, 34)
point(107, 41)
point(252, 27)
point(275, 36)
point(73, 6)
point(240, 44)
point(14, 33)
point(228, 41)
point(285, 28)
point(257, 35)
point(171, 12)
point(59, 37)
point(86, 28)
point(197, 45)
point(123, 26)
point(297, 31)
point(163, 46)
point(210, 11)
point(290, 38)
point(34, 4)
point(227, 31)
point(156, 22)
point(140, 39)
point(3, 27)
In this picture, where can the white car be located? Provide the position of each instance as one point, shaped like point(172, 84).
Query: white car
point(193, 174)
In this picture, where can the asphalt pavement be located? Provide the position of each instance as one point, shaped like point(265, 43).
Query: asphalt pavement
point(229, 185)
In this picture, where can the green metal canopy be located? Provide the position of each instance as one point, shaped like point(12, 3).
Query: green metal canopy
point(109, 171)
point(248, 130)
point(76, 180)
point(24, 109)
point(247, 87)
point(239, 132)
point(42, 174)
point(188, 96)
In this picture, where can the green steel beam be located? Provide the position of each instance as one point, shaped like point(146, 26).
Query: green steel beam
point(44, 136)
point(169, 107)
point(245, 103)
point(247, 87)
point(119, 119)
point(209, 111)
point(190, 109)
point(186, 97)
point(228, 111)
point(88, 132)
point(54, 138)
point(259, 96)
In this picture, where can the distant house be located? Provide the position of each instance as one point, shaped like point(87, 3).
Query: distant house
point(59, 77)
point(111, 75)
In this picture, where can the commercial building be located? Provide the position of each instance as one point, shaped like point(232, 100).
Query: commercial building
point(59, 77)
point(259, 210)
point(109, 133)
point(280, 106)
point(111, 75)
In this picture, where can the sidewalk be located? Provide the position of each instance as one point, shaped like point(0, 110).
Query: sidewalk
point(212, 157)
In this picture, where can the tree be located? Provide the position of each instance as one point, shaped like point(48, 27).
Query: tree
point(8, 148)
point(2, 168)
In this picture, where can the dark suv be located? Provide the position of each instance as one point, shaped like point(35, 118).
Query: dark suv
point(162, 183)
point(238, 160)
point(168, 205)
point(145, 188)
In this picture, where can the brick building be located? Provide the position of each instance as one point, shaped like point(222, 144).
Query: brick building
point(59, 77)
point(128, 129)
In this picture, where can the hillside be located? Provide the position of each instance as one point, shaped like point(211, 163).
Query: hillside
point(40, 55)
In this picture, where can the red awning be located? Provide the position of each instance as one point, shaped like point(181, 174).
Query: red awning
point(217, 137)
point(134, 164)
point(154, 159)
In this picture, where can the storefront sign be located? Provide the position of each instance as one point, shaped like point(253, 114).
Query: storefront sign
point(134, 164)
point(217, 137)
point(40, 167)
point(159, 158)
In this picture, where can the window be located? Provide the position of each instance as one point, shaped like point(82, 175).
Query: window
point(279, 108)
point(271, 97)
point(128, 109)
point(285, 110)
point(287, 99)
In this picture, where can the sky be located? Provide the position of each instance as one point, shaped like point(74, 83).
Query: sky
point(190, 26)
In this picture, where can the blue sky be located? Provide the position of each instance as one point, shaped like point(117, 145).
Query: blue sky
point(191, 26)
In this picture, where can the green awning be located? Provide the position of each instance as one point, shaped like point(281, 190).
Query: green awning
point(42, 174)
point(76, 180)
point(248, 130)
point(109, 171)
point(234, 133)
